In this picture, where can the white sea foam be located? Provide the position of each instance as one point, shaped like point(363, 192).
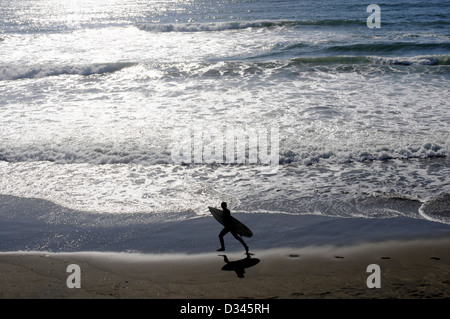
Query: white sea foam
point(437, 208)
point(157, 189)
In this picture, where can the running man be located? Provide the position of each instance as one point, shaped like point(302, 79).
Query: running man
point(228, 228)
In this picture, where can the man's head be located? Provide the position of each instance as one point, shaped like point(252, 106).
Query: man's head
point(224, 205)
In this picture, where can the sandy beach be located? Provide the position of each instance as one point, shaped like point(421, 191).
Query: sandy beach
point(408, 269)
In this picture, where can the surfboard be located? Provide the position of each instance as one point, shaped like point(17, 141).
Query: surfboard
point(237, 226)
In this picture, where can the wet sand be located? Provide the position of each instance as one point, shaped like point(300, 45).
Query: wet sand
point(408, 269)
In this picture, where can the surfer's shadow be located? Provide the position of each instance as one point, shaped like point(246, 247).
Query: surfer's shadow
point(239, 266)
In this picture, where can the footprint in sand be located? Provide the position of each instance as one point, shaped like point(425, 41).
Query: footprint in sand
point(297, 294)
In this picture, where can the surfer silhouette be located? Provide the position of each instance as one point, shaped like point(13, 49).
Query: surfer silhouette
point(228, 229)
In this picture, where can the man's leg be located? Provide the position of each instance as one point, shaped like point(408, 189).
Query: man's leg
point(241, 240)
point(222, 243)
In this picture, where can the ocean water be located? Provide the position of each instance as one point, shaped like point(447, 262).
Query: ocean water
point(95, 96)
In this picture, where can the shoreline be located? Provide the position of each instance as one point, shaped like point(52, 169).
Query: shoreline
point(40, 225)
point(409, 269)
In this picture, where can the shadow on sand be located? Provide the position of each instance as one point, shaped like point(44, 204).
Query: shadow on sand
point(239, 266)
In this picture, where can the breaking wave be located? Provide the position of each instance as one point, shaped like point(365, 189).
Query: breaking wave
point(15, 72)
point(224, 26)
point(127, 151)
point(40, 71)
point(405, 61)
point(388, 48)
point(437, 208)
